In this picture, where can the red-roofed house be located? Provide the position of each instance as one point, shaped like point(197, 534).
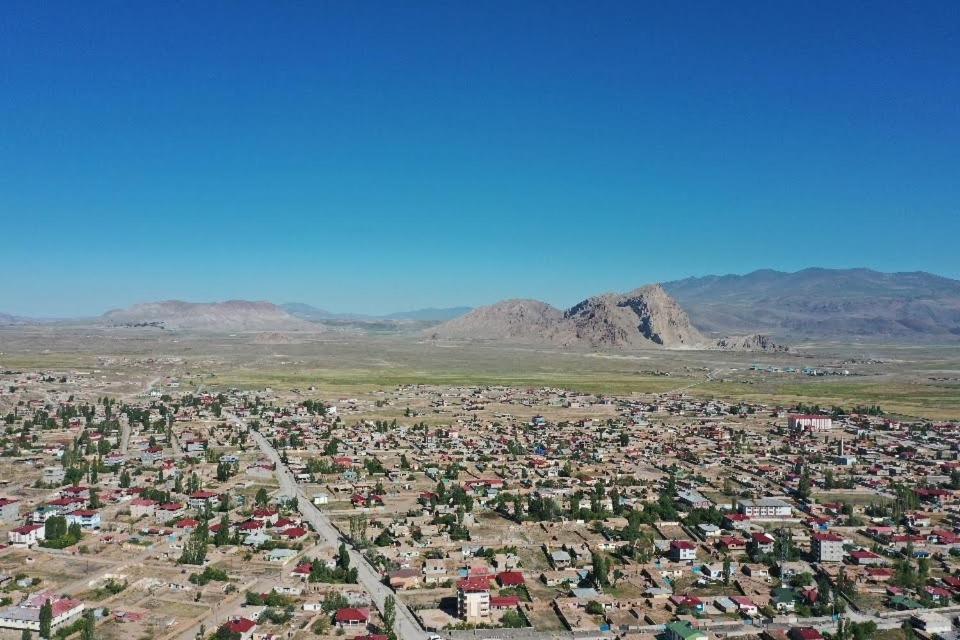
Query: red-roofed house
point(243, 626)
point(682, 550)
point(352, 617)
point(510, 579)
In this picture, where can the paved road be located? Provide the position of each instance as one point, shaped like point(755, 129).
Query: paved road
point(406, 627)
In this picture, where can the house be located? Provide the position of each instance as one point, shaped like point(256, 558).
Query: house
point(683, 631)
point(693, 499)
point(26, 536)
point(762, 543)
point(745, 605)
point(281, 555)
point(293, 533)
point(805, 633)
point(242, 626)
point(732, 544)
point(266, 516)
point(502, 603)
point(350, 617)
point(151, 455)
point(434, 570)
point(141, 507)
point(54, 475)
point(195, 446)
point(43, 513)
point(682, 551)
point(690, 603)
point(866, 558)
point(86, 518)
point(27, 614)
point(256, 539)
point(510, 579)
point(560, 559)
point(757, 571)
point(169, 511)
point(405, 579)
point(201, 499)
point(473, 598)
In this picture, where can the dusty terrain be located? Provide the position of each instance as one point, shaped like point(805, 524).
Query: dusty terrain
point(912, 380)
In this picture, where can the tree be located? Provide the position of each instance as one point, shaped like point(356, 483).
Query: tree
point(390, 615)
point(601, 569)
point(195, 550)
point(55, 528)
point(89, 625)
point(222, 536)
point(343, 557)
point(262, 497)
point(26, 635)
point(46, 619)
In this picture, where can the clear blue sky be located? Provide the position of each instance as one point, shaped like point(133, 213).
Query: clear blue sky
point(372, 157)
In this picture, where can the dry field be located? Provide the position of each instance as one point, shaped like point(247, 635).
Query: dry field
point(911, 380)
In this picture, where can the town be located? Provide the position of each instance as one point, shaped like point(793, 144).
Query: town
point(417, 512)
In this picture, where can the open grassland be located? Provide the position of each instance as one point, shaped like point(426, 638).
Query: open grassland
point(907, 380)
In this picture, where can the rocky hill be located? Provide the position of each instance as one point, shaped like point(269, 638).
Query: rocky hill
point(512, 320)
point(755, 342)
point(824, 304)
point(639, 318)
point(232, 315)
point(645, 317)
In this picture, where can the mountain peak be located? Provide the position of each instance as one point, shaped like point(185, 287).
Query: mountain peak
point(644, 317)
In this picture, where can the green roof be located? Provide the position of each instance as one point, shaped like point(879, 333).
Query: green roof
point(685, 631)
point(905, 602)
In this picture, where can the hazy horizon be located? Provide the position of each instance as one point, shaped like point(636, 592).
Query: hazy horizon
point(564, 303)
point(372, 157)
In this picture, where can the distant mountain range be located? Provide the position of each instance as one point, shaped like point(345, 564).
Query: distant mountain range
point(824, 304)
point(232, 315)
point(752, 311)
point(308, 312)
point(644, 317)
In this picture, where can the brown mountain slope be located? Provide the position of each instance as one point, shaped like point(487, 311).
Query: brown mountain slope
point(512, 320)
point(232, 315)
point(645, 317)
point(642, 317)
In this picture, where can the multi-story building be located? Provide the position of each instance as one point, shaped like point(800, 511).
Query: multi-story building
point(473, 598)
point(810, 423)
point(827, 547)
point(765, 508)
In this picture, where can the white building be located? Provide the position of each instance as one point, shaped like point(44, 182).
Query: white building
point(473, 598)
point(810, 422)
point(765, 508)
point(27, 614)
point(26, 536)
